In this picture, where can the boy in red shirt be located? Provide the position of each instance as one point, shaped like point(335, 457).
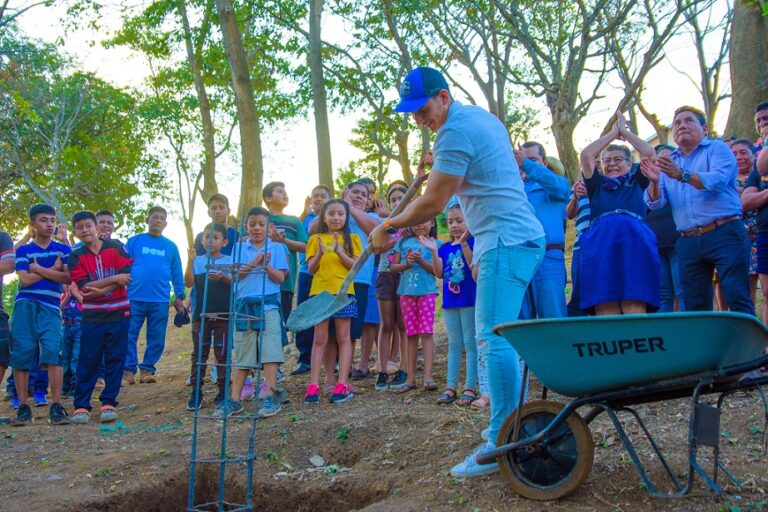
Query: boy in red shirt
point(102, 270)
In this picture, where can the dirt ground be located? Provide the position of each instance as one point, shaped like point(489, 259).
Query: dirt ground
point(382, 452)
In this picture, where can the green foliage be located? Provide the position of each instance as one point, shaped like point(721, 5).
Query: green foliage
point(9, 295)
point(69, 138)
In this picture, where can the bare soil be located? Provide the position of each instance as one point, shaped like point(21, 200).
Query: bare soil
point(382, 452)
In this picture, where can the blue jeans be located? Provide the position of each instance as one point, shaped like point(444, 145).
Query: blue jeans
point(726, 249)
point(70, 353)
point(546, 294)
point(670, 281)
point(101, 342)
point(460, 327)
point(156, 315)
point(503, 277)
point(304, 338)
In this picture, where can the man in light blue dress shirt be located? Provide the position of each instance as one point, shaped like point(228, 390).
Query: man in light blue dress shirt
point(473, 159)
point(699, 181)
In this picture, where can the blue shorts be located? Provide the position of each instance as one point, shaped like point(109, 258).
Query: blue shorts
point(5, 341)
point(348, 311)
point(33, 323)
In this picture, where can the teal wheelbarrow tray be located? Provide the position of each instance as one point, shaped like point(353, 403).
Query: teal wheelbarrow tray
point(610, 363)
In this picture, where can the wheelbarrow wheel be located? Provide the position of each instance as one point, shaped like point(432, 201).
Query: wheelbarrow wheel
point(553, 468)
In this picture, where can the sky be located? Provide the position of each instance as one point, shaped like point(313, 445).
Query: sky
point(289, 150)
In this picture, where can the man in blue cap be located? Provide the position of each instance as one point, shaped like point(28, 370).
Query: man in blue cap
point(473, 159)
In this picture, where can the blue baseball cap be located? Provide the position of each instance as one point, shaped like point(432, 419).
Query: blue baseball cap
point(420, 85)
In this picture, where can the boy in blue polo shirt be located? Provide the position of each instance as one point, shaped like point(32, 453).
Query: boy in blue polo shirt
point(36, 322)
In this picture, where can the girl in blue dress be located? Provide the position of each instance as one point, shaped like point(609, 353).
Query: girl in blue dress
point(619, 253)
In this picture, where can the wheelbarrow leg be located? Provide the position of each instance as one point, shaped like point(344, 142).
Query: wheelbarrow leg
point(703, 430)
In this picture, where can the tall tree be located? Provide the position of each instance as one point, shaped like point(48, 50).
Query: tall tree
point(319, 96)
point(248, 117)
point(637, 46)
point(749, 66)
point(70, 139)
point(563, 43)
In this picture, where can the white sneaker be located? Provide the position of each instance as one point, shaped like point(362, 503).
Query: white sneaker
point(469, 468)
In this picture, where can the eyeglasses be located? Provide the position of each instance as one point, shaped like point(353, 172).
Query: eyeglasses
point(615, 160)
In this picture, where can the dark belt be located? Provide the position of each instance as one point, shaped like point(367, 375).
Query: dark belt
point(559, 247)
point(72, 322)
point(708, 227)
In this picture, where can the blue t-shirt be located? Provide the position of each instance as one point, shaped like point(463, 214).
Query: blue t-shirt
point(156, 264)
point(255, 284)
point(415, 281)
point(459, 289)
point(303, 268)
point(474, 144)
point(45, 291)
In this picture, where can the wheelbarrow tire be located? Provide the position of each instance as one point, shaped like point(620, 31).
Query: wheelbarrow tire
point(547, 472)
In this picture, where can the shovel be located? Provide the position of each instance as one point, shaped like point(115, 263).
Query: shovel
point(324, 305)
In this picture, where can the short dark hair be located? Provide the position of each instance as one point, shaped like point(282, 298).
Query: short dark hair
point(256, 211)
point(105, 213)
point(218, 197)
point(700, 116)
point(84, 215)
point(658, 148)
point(322, 187)
point(537, 145)
point(156, 209)
point(745, 142)
point(41, 208)
point(357, 182)
point(761, 106)
point(270, 187)
point(365, 180)
point(617, 147)
point(217, 227)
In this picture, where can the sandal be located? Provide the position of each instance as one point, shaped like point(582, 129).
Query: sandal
point(430, 385)
point(447, 396)
point(404, 389)
point(481, 403)
point(468, 396)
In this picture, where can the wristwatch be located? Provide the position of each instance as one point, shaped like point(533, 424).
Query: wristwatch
point(686, 176)
point(389, 228)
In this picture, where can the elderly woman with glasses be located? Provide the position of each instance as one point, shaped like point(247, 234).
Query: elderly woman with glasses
point(619, 253)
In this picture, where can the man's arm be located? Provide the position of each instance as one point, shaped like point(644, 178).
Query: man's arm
point(440, 188)
point(762, 162)
point(591, 154)
point(365, 221)
point(556, 186)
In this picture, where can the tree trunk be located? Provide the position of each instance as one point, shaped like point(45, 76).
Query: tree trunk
point(563, 125)
point(749, 68)
point(195, 62)
point(248, 118)
point(401, 140)
point(319, 99)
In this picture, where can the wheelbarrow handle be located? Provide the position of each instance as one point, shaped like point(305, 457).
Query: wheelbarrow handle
point(368, 250)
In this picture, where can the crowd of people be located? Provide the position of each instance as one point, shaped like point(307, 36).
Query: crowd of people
point(665, 228)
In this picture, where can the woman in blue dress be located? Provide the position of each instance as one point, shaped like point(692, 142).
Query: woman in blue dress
point(619, 253)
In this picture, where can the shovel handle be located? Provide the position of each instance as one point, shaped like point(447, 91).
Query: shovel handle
point(368, 250)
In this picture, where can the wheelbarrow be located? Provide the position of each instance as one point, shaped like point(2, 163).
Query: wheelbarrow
point(608, 364)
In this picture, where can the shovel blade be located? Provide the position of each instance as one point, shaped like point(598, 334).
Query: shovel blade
point(315, 310)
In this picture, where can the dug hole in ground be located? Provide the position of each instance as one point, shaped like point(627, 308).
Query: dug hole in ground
point(380, 452)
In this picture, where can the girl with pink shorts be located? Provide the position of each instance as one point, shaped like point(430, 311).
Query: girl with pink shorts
point(413, 256)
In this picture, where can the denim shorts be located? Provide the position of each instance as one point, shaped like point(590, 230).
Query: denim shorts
point(33, 323)
point(5, 341)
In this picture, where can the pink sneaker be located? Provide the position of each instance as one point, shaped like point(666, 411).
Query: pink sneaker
point(263, 391)
point(247, 393)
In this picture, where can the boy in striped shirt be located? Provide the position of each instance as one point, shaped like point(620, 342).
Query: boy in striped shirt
point(42, 269)
point(102, 270)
